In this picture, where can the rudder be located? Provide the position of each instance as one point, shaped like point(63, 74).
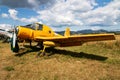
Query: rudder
point(67, 32)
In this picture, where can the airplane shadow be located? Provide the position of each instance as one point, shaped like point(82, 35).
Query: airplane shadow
point(52, 51)
point(78, 54)
point(23, 51)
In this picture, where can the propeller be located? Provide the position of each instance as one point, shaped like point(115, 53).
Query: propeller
point(14, 41)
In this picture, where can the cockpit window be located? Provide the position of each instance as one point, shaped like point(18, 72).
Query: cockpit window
point(31, 26)
point(40, 27)
point(34, 26)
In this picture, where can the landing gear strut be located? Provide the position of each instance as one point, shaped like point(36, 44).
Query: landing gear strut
point(42, 52)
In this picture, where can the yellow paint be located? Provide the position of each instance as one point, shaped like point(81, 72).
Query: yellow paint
point(50, 38)
point(67, 32)
point(50, 43)
point(25, 33)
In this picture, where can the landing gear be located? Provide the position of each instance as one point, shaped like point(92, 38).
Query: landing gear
point(42, 52)
point(30, 41)
point(40, 45)
point(42, 49)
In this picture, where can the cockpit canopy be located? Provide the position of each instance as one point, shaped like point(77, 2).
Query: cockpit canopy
point(35, 26)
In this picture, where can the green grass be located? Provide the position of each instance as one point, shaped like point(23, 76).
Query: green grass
point(91, 61)
point(9, 68)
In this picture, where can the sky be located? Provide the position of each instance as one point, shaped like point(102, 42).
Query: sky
point(59, 14)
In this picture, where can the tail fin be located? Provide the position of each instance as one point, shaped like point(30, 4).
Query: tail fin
point(67, 32)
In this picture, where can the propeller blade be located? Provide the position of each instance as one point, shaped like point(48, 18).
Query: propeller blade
point(14, 42)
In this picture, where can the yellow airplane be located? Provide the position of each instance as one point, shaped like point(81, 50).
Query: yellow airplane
point(46, 37)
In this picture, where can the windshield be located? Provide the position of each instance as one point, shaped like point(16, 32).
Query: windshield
point(34, 26)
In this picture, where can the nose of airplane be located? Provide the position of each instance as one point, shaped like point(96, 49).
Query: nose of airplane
point(16, 30)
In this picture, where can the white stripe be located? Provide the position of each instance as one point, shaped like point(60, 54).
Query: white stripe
point(14, 40)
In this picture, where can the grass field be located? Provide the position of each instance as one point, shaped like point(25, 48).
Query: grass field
point(91, 61)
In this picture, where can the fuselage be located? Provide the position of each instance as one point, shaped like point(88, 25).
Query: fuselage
point(37, 30)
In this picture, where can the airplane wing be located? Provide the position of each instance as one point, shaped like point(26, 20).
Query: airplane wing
point(76, 40)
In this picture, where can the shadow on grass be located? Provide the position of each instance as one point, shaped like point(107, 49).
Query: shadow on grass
point(26, 50)
point(52, 51)
point(77, 55)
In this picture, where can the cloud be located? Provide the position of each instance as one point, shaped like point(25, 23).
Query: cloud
point(66, 13)
point(5, 26)
point(29, 20)
point(95, 28)
point(15, 3)
point(81, 13)
point(4, 15)
point(13, 14)
point(26, 3)
point(62, 13)
point(108, 15)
